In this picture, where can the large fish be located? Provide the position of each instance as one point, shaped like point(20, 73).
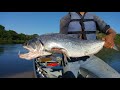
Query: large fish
point(71, 47)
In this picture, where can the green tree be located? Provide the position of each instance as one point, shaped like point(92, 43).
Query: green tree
point(13, 34)
point(2, 27)
point(22, 36)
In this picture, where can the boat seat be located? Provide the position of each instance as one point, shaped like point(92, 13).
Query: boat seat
point(43, 60)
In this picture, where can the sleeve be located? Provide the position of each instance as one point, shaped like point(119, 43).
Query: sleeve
point(102, 26)
point(64, 22)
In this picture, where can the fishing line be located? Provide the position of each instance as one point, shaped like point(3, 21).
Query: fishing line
point(19, 52)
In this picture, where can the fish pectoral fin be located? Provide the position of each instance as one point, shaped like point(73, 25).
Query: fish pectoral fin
point(56, 50)
point(62, 51)
point(65, 54)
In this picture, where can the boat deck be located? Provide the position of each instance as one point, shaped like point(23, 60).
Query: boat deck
point(42, 70)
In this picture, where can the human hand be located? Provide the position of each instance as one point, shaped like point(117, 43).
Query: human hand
point(109, 41)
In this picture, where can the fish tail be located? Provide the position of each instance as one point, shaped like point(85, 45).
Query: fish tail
point(115, 48)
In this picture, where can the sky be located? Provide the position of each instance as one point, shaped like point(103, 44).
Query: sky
point(47, 22)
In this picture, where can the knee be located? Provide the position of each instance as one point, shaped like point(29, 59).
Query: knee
point(68, 74)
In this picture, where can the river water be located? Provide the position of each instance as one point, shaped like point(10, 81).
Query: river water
point(12, 66)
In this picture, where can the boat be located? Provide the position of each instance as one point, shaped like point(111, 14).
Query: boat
point(47, 67)
point(51, 67)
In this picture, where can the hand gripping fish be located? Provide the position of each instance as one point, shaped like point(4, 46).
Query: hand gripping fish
point(69, 46)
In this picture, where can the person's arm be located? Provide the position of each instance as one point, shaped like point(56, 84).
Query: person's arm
point(105, 28)
point(64, 22)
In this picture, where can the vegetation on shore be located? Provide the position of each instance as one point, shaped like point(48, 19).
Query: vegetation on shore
point(12, 37)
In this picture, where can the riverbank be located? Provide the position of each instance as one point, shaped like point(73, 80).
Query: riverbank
point(12, 37)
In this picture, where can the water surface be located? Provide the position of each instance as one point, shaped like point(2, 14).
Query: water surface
point(10, 63)
point(12, 66)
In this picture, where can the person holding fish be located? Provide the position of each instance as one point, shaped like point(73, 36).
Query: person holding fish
point(77, 42)
point(84, 25)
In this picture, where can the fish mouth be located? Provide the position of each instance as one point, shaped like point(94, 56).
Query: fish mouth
point(34, 54)
point(37, 51)
point(30, 55)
